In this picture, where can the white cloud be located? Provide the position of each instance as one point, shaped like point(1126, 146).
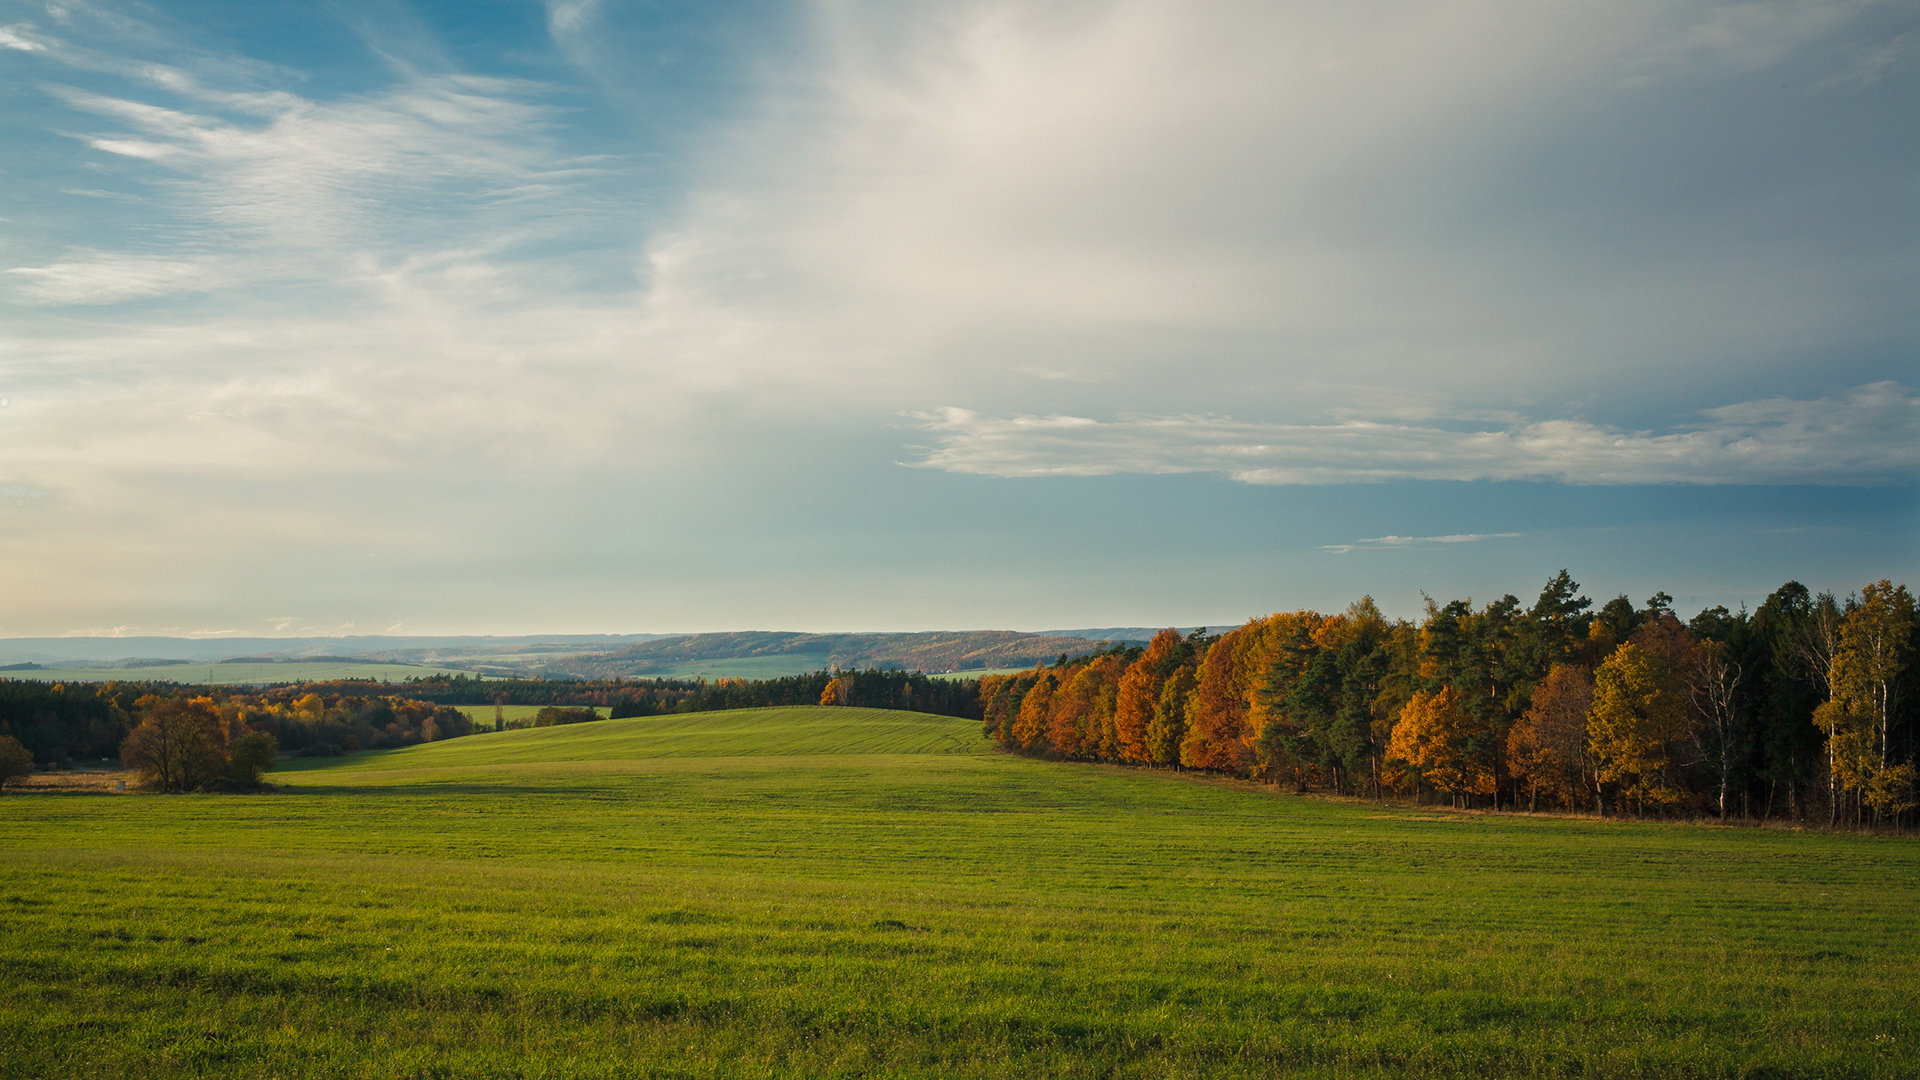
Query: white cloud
point(1870, 435)
point(11, 37)
point(107, 277)
point(397, 308)
point(1379, 542)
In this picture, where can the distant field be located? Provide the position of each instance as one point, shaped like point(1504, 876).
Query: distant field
point(774, 667)
point(744, 667)
point(816, 892)
point(238, 674)
point(981, 673)
point(483, 714)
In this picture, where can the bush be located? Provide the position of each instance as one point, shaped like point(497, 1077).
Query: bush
point(554, 714)
point(15, 759)
point(251, 755)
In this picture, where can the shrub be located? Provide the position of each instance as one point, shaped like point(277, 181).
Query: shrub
point(251, 755)
point(15, 759)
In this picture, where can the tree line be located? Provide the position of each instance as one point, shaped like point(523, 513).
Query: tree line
point(194, 730)
point(187, 737)
point(1803, 708)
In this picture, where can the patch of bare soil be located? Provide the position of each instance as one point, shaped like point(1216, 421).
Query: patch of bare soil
point(90, 781)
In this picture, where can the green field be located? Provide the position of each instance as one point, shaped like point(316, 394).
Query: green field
point(483, 715)
point(238, 674)
point(740, 667)
point(815, 892)
point(980, 673)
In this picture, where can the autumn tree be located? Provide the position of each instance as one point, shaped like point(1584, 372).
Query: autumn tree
point(1168, 730)
point(839, 691)
point(1071, 711)
point(1437, 738)
point(1000, 704)
point(1219, 735)
point(1547, 749)
point(15, 759)
point(181, 743)
point(1139, 691)
point(1638, 718)
point(1872, 651)
point(1036, 709)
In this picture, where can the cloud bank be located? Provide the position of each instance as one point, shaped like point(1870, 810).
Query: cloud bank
point(393, 315)
point(1870, 435)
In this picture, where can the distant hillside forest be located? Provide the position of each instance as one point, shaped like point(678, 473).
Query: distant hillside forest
point(934, 651)
point(1806, 708)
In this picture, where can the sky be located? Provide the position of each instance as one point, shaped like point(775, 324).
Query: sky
point(370, 316)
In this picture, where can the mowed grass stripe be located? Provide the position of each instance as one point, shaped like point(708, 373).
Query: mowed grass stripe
point(781, 732)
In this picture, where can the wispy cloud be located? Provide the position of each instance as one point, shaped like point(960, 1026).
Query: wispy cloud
point(273, 187)
point(1379, 542)
point(1870, 435)
point(109, 277)
point(394, 307)
point(14, 37)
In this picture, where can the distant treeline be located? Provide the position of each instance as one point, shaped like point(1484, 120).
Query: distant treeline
point(873, 687)
point(64, 723)
point(1807, 707)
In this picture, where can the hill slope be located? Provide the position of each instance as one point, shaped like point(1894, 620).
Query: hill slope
point(798, 730)
point(934, 651)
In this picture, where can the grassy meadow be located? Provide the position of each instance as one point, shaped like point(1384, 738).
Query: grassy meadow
point(813, 892)
point(739, 667)
point(483, 715)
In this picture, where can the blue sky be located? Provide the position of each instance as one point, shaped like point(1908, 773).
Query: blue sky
point(603, 316)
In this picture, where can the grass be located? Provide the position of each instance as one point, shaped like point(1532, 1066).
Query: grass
point(839, 892)
point(239, 674)
point(979, 673)
point(739, 667)
point(483, 715)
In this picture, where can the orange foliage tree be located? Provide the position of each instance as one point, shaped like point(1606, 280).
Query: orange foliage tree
point(181, 743)
point(1547, 748)
point(1138, 692)
point(1437, 739)
point(1030, 724)
point(1221, 731)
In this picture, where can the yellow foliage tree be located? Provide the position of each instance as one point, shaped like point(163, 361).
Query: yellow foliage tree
point(1030, 726)
point(1638, 719)
point(1858, 714)
point(1168, 729)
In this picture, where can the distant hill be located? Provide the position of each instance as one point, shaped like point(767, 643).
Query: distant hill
point(1141, 634)
point(118, 651)
point(751, 654)
point(933, 651)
